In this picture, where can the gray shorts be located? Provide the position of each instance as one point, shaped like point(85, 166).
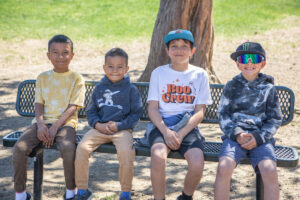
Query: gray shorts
point(234, 150)
point(192, 140)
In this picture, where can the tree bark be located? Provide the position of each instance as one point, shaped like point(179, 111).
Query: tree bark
point(193, 15)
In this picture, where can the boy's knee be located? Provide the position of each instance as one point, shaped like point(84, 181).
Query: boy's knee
point(158, 158)
point(81, 150)
point(268, 168)
point(20, 147)
point(67, 147)
point(226, 166)
point(195, 159)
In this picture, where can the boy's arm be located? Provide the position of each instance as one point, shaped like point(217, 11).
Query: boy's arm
point(273, 121)
point(136, 109)
point(42, 132)
point(227, 125)
point(170, 136)
point(61, 121)
point(193, 121)
point(92, 111)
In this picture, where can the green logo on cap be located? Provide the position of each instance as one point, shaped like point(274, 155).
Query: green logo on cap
point(246, 46)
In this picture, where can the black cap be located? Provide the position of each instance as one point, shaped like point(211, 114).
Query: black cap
point(248, 47)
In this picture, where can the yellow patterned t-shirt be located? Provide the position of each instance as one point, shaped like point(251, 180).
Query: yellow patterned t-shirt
point(56, 91)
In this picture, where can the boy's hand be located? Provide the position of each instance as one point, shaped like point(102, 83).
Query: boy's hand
point(112, 127)
point(172, 140)
point(52, 132)
point(43, 133)
point(180, 138)
point(251, 144)
point(243, 138)
point(102, 128)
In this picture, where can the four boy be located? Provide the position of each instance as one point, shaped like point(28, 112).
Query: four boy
point(249, 116)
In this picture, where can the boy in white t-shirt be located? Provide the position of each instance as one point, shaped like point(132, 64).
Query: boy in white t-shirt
point(175, 89)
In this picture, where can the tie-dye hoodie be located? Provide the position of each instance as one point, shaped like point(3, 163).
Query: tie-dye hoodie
point(251, 107)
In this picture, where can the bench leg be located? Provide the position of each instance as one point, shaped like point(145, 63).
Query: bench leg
point(38, 175)
point(259, 187)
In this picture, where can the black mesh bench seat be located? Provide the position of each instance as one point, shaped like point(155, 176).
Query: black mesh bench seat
point(286, 156)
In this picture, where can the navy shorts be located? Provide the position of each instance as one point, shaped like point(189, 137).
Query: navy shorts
point(192, 140)
point(234, 150)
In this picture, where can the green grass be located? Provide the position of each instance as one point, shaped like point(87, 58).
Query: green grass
point(241, 17)
point(79, 19)
point(118, 20)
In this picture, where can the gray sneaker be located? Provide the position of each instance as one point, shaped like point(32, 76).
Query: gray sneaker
point(88, 196)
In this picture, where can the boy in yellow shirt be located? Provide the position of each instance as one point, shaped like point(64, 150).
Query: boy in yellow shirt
point(58, 95)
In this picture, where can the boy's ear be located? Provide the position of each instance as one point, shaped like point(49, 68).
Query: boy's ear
point(193, 50)
point(263, 64)
point(127, 69)
point(48, 55)
point(167, 50)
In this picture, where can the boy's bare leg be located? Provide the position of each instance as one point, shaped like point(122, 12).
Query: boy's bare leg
point(195, 160)
point(269, 175)
point(159, 153)
point(222, 182)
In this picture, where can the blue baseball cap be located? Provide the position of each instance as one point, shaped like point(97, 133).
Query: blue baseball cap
point(179, 34)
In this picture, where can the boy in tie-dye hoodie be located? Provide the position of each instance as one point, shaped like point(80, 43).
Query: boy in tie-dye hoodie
point(249, 115)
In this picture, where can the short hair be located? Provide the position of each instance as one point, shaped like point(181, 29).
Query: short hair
point(186, 41)
point(117, 52)
point(60, 39)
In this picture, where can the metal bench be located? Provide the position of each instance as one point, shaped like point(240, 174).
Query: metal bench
point(286, 156)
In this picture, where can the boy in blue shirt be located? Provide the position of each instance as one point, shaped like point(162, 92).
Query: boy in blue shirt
point(249, 115)
point(175, 89)
point(114, 109)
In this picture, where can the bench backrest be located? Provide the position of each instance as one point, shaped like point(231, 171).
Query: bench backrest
point(26, 92)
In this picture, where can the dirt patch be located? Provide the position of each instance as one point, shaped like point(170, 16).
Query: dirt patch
point(21, 60)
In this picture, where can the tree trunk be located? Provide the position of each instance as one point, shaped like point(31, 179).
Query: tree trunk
point(193, 15)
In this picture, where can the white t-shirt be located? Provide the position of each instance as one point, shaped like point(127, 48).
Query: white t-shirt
point(178, 91)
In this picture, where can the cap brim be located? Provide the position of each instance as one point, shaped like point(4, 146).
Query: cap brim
point(169, 38)
point(234, 55)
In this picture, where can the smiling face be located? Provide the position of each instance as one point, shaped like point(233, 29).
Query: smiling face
point(60, 55)
point(115, 68)
point(250, 71)
point(180, 52)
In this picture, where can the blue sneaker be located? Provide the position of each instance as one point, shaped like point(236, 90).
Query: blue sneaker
point(125, 196)
point(87, 196)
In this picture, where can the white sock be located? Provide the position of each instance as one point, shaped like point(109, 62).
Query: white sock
point(70, 194)
point(21, 195)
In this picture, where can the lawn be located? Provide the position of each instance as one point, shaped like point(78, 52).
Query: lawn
point(129, 19)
